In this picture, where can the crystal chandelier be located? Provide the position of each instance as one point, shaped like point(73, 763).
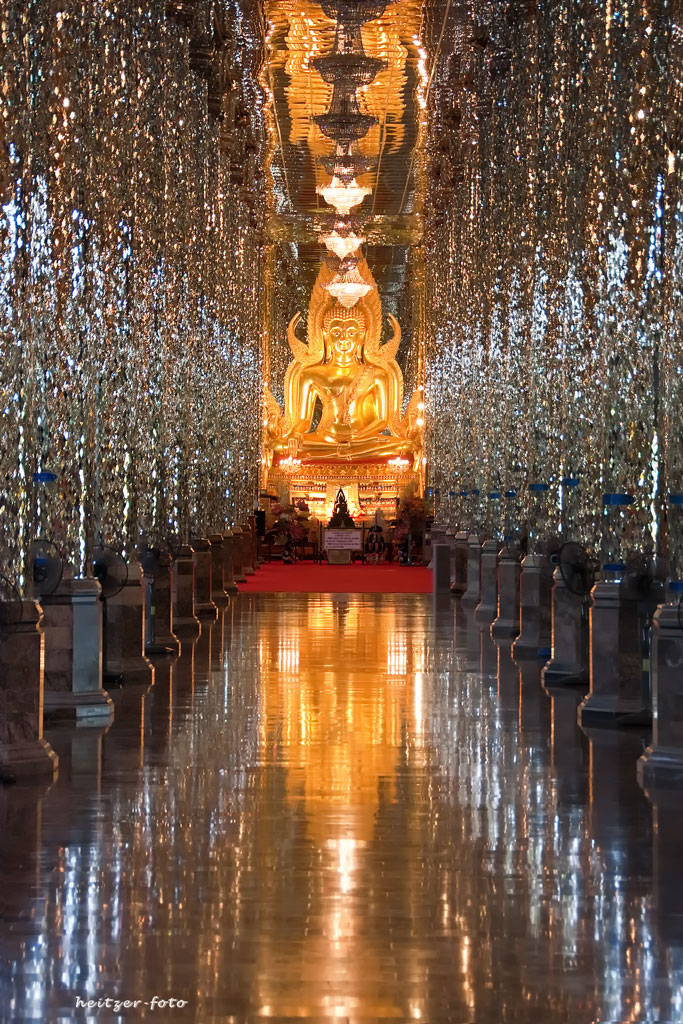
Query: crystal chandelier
point(350, 69)
point(399, 464)
point(348, 64)
point(354, 13)
point(348, 287)
point(342, 245)
point(343, 196)
point(344, 122)
point(344, 127)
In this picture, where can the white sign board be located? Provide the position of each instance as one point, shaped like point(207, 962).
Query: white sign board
point(343, 540)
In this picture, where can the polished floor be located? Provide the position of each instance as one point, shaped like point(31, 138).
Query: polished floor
point(342, 809)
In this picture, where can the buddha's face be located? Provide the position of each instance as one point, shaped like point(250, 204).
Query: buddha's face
point(343, 338)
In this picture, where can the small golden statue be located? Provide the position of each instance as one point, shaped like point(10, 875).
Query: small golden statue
point(356, 381)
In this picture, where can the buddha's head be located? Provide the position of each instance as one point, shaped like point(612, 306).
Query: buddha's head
point(344, 332)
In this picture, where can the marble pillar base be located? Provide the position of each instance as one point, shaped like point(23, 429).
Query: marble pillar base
point(437, 536)
point(450, 540)
point(247, 541)
point(204, 607)
point(23, 750)
point(459, 564)
point(229, 584)
point(441, 569)
point(238, 555)
point(185, 622)
point(159, 640)
point(218, 594)
point(535, 597)
point(615, 656)
point(124, 622)
point(472, 596)
point(507, 624)
point(96, 708)
point(486, 610)
point(72, 626)
point(662, 763)
point(568, 665)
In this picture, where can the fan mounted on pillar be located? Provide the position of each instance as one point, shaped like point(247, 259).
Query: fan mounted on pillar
point(47, 566)
point(577, 568)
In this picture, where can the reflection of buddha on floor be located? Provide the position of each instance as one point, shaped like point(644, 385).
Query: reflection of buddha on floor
point(357, 382)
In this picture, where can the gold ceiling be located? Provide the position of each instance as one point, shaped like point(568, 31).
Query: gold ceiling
point(297, 32)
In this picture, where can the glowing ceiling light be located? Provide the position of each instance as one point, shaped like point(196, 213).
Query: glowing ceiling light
point(343, 197)
point(348, 288)
point(342, 245)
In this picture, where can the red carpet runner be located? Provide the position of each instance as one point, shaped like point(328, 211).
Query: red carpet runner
point(308, 578)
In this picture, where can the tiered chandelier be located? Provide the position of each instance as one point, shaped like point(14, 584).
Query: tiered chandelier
point(354, 13)
point(342, 243)
point(344, 196)
point(347, 68)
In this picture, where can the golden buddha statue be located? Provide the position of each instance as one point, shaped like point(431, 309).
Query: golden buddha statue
point(356, 381)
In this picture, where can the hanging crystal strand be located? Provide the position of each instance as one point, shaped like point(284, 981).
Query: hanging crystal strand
point(578, 387)
point(39, 301)
point(115, 354)
point(73, 343)
point(210, 330)
point(627, 349)
point(109, 277)
point(15, 365)
point(671, 353)
point(151, 468)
